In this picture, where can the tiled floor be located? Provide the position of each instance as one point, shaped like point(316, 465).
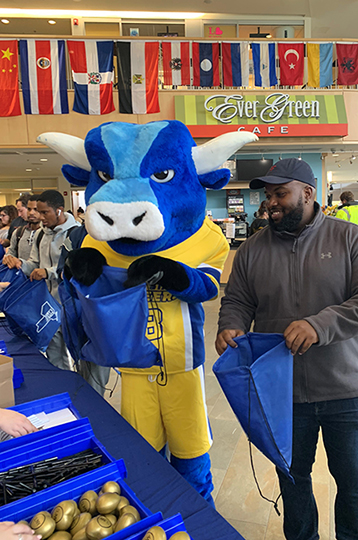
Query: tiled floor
point(236, 495)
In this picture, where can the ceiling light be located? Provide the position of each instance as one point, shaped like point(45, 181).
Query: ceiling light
point(5, 21)
point(43, 159)
point(51, 21)
point(19, 12)
point(335, 155)
point(353, 157)
point(269, 36)
point(260, 34)
point(28, 170)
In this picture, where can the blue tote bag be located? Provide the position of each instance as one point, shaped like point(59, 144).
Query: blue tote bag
point(72, 328)
point(35, 311)
point(115, 322)
point(257, 380)
point(15, 277)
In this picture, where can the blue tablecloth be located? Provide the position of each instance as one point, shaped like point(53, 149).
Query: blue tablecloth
point(153, 480)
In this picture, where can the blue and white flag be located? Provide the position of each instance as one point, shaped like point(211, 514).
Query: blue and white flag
point(264, 58)
point(92, 71)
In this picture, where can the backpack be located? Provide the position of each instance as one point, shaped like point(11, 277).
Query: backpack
point(20, 231)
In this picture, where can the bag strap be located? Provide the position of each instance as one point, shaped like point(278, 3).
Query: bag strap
point(39, 238)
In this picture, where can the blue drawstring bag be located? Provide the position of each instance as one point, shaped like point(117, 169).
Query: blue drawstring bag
point(31, 307)
point(115, 322)
point(12, 275)
point(72, 328)
point(257, 380)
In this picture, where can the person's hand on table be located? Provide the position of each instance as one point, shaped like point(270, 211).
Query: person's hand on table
point(10, 531)
point(225, 338)
point(299, 336)
point(11, 261)
point(38, 274)
point(15, 424)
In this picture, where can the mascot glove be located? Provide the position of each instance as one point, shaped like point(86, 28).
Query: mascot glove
point(85, 265)
point(153, 270)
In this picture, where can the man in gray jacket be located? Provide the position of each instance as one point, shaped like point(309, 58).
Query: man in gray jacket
point(44, 256)
point(299, 277)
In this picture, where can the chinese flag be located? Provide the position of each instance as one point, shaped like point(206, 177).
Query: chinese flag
point(9, 85)
point(347, 57)
point(291, 57)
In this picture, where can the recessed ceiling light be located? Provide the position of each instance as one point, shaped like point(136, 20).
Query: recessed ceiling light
point(268, 36)
point(43, 159)
point(51, 21)
point(335, 154)
point(28, 170)
point(5, 21)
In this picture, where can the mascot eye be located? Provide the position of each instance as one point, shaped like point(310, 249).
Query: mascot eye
point(163, 176)
point(104, 176)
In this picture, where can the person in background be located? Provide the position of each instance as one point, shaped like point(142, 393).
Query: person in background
point(80, 215)
point(261, 220)
point(307, 290)
point(349, 208)
point(7, 215)
point(21, 206)
point(23, 237)
point(44, 257)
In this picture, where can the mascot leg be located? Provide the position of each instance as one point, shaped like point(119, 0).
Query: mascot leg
point(197, 472)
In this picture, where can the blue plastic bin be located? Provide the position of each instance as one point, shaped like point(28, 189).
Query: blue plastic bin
point(47, 405)
point(170, 526)
point(73, 489)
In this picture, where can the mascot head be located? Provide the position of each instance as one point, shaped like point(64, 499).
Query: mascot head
point(145, 184)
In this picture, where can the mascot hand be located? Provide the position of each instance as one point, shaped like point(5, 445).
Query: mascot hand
point(85, 265)
point(154, 270)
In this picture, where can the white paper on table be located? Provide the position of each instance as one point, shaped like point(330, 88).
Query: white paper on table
point(56, 418)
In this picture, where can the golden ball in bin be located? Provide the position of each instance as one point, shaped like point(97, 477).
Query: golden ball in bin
point(107, 503)
point(123, 501)
point(42, 523)
point(80, 521)
point(155, 533)
point(181, 535)
point(112, 518)
point(99, 527)
point(23, 522)
point(63, 514)
point(130, 510)
point(125, 521)
point(60, 535)
point(87, 502)
point(111, 487)
point(80, 535)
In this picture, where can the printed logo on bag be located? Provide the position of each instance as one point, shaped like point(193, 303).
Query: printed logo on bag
point(48, 314)
point(326, 255)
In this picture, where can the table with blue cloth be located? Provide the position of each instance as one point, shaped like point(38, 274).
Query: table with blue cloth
point(152, 478)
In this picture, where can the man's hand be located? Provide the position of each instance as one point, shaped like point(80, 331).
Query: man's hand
point(10, 531)
point(5, 243)
point(225, 338)
point(15, 424)
point(299, 336)
point(12, 262)
point(38, 274)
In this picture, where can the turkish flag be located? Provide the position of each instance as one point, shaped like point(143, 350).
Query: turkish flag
point(9, 84)
point(291, 56)
point(347, 56)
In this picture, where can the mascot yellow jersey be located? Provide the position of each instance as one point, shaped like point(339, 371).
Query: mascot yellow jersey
point(175, 327)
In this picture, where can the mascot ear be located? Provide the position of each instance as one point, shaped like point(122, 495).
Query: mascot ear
point(215, 179)
point(75, 175)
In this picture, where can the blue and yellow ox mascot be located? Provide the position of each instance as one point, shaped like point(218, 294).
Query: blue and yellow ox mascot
point(146, 197)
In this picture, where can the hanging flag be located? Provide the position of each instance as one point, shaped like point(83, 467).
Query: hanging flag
point(206, 64)
point(320, 60)
point(138, 77)
point(235, 58)
point(264, 60)
point(347, 57)
point(176, 63)
point(291, 57)
point(9, 84)
point(92, 72)
point(43, 75)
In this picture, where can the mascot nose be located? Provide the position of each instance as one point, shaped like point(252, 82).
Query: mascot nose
point(138, 219)
point(105, 218)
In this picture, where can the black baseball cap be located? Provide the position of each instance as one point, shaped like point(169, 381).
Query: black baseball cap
point(284, 171)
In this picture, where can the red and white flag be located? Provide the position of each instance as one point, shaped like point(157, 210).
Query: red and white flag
point(138, 77)
point(9, 85)
point(291, 57)
point(347, 58)
point(176, 63)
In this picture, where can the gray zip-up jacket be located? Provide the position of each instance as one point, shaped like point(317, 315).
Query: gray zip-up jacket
point(278, 278)
point(48, 253)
